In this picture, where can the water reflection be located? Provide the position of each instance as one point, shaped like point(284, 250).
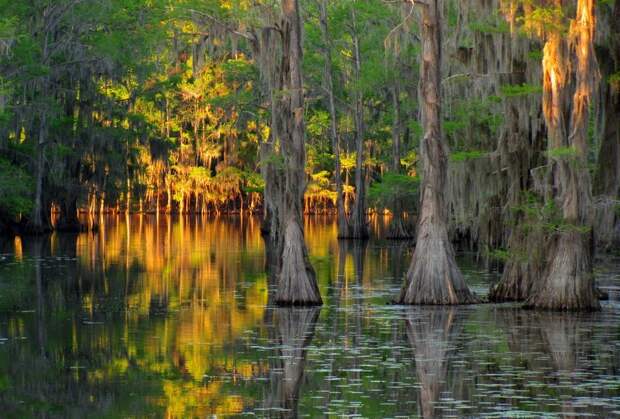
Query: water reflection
point(293, 330)
point(162, 316)
point(430, 332)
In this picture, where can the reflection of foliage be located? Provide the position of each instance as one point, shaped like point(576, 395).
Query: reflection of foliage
point(158, 363)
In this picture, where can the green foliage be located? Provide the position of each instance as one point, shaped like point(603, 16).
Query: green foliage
point(460, 156)
point(347, 160)
point(493, 25)
point(473, 124)
point(319, 187)
point(545, 216)
point(452, 15)
point(499, 254)
point(543, 20)
point(535, 55)
point(519, 90)
point(254, 183)
point(562, 153)
point(16, 185)
point(395, 188)
point(409, 161)
point(614, 80)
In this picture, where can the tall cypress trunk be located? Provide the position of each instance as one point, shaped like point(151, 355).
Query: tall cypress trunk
point(168, 196)
point(266, 50)
point(570, 73)
point(519, 147)
point(297, 283)
point(358, 228)
point(68, 220)
point(40, 221)
point(607, 181)
point(333, 130)
point(397, 228)
point(433, 276)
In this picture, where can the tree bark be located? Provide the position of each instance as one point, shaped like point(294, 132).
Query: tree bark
point(68, 220)
point(570, 73)
point(358, 228)
point(297, 283)
point(398, 229)
point(433, 276)
point(607, 181)
point(333, 130)
point(519, 148)
point(40, 221)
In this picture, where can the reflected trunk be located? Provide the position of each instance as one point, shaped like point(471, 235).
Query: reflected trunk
point(294, 331)
point(430, 332)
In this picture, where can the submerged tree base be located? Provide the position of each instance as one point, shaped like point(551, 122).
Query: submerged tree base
point(297, 284)
point(433, 277)
point(399, 230)
point(569, 283)
point(523, 268)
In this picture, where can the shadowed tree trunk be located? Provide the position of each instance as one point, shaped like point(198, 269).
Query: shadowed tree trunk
point(68, 219)
point(430, 331)
point(265, 48)
point(433, 276)
point(358, 228)
point(519, 145)
point(570, 73)
point(333, 122)
point(39, 221)
point(297, 283)
point(607, 181)
point(294, 330)
point(398, 229)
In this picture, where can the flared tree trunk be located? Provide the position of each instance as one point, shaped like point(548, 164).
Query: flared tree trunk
point(570, 73)
point(297, 284)
point(433, 276)
point(68, 220)
point(518, 148)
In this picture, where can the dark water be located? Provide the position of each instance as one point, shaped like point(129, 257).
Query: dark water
point(169, 319)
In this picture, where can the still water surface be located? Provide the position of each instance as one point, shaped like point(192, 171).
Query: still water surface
point(170, 317)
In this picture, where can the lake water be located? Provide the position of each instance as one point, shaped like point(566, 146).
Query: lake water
point(168, 317)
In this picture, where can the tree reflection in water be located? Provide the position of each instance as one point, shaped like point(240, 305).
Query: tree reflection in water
point(293, 330)
point(430, 331)
point(169, 317)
